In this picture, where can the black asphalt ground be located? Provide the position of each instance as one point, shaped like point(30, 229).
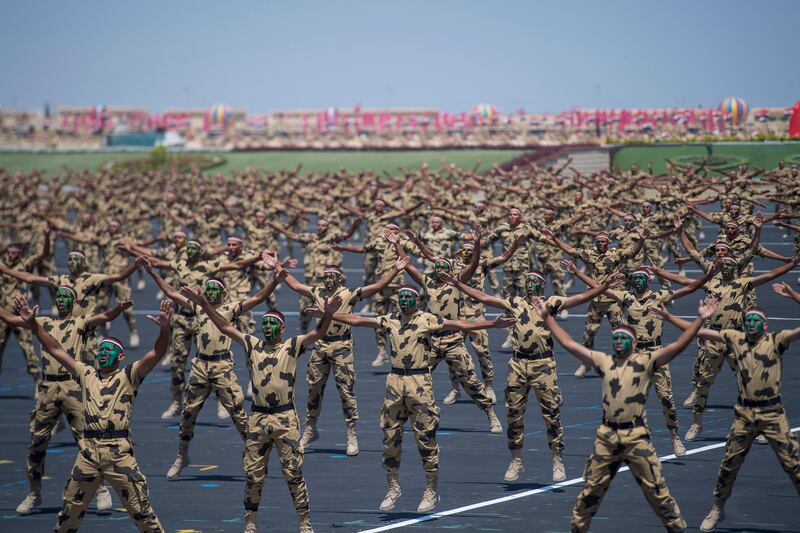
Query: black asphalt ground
point(346, 491)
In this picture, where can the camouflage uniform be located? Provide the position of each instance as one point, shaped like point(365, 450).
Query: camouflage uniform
point(114, 262)
point(107, 451)
point(10, 287)
point(385, 301)
point(238, 284)
point(601, 267)
point(759, 410)
point(274, 421)
point(409, 389)
point(624, 437)
point(212, 371)
point(514, 269)
point(532, 366)
point(440, 243)
point(473, 310)
point(319, 254)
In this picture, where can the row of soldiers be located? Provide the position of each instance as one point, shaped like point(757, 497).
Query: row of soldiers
point(447, 272)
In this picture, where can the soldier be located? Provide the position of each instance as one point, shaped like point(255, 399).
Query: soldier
point(624, 436)
point(335, 350)
point(212, 366)
point(274, 421)
point(759, 409)
point(107, 452)
point(409, 388)
point(533, 365)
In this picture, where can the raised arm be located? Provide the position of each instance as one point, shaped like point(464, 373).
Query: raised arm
point(610, 283)
point(111, 314)
point(547, 232)
point(125, 273)
point(666, 354)
point(331, 306)
point(696, 284)
point(423, 250)
point(264, 293)
point(786, 291)
point(704, 333)
point(510, 251)
point(475, 325)
point(149, 360)
point(223, 325)
point(413, 271)
point(575, 348)
point(775, 272)
point(166, 288)
point(272, 263)
point(376, 287)
point(475, 294)
point(49, 344)
point(12, 319)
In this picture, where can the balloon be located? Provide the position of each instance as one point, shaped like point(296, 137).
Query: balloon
point(219, 116)
point(736, 108)
point(485, 111)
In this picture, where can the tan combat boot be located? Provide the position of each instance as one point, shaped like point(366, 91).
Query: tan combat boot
point(694, 431)
point(677, 445)
point(714, 517)
point(174, 408)
point(103, 498)
point(515, 467)
point(452, 397)
point(352, 440)
point(431, 495)
point(222, 413)
point(181, 461)
point(559, 472)
point(381, 358)
point(250, 521)
point(310, 433)
point(581, 371)
point(32, 500)
point(494, 423)
point(393, 494)
point(688, 403)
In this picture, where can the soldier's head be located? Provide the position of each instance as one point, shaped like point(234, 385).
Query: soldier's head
point(480, 206)
point(261, 218)
point(755, 323)
point(86, 219)
point(728, 269)
point(110, 354)
point(634, 169)
point(731, 230)
point(392, 228)
point(578, 197)
point(13, 254)
point(549, 215)
point(208, 209)
point(76, 262)
point(272, 325)
point(647, 208)
point(722, 249)
point(234, 246)
point(441, 266)
point(795, 171)
point(629, 221)
point(193, 249)
point(623, 339)
point(601, 242)
point(534, 283)
point(332, 277)
point(179, 238)
point(65, 300)
point(114, 226)
point(466, 251)
point(640, 279)
point(379, 206)
point(514, 216)
point(436, 223)
point(734, 210)
point(407, 299)
point(322, 227)
point(213, 290)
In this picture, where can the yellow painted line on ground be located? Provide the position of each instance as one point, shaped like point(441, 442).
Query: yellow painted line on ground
point(204, 468)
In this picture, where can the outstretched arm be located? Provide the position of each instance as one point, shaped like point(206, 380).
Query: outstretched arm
point(696, 284)
point(49, 344)
point(704, 333)
point(378, 286)
point(272, 262)
point(475, 325)
point(775, 272)
point(166, 288)
point(575, 348)
point(671, 350)
point(111, 314)
point(547, 232)
point(264, 293)
point(149, 360)
point(125, 273)
point(786, 291)
point(331, 306)
point(476, 294)
point(578, 299)
point(26, 277)
point(11, 319)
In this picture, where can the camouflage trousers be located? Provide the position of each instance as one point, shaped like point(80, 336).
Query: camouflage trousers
point(513, 283)
point(541, 376)
point(122, 291)
point(634, 448)
point(479, 340)
point(662, 382)
point(181, 335)
point(339, 356)
point(410, 397)
point(109, 460)
point(54, 398)
point(282, 431)
point(370, 267)
point(219, 377)
point(313, 278)
point(452, 350)
point(384, 302)
point(708, 364)
point(25, 341)
point(748, 423)
point(551, 266)
point(594, 318)
point(491, 275)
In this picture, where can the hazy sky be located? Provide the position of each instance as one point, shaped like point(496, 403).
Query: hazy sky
point(444, 54)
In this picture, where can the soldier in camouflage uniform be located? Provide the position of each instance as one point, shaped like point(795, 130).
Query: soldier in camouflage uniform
point(409, 388)
point(106, 453)
point(212, 367)
point(533, 365)
point(57, 392)
point(273, 366)
point(624, 436)
point(335, 350)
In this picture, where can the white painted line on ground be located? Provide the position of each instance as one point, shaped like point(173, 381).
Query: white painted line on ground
point(487, 503)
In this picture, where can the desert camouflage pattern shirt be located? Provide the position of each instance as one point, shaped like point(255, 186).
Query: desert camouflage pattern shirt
point(530, 334)
point(349, 299)
point(210, 340)
point(86, 286)
point(758, 364)
point(626, 381)
point(108, 400)
point(272, 369)
point(72, 333)
point(648, 327)
point(410, 337)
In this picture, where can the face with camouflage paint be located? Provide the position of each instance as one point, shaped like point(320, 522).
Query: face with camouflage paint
point(272, 327)
point(440, 266)
point(193, 250)
point(622, 343)
point(75, 263)
point(108, 355)
point(754, 325)
point(640, 281)
point(332, 280)
point(407, 300)
point(534, 285)
point(728, 270)
point(65, 301)
point(465, 253)
point(212, 292)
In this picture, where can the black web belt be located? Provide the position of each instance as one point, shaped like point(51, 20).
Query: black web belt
point(635, 423)
point(760, 403)
point(57, 377)
point(410, 371)
point(272, 410)
point(533, 356)
point(334, 338)
point(110, 434)
point(219, 356)
point(649, 344)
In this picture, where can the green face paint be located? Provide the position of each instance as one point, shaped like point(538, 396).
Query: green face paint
point(271, 327)
point(192, 250)
point(65, 300)
point(213, 292)
point(640, 282)
point(108, 354)
point(331, 280)
point(534, 285)
point(441, 267)
point(622, 343)
point(754, 325)
point(75, 263)
point(407, 300)
point(728, 269)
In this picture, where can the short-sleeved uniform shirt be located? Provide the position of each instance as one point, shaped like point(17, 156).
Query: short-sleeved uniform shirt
point(210, 340)
point(193, 275)
point(529, 334)
point(86, 286)
point(319, 249)
point(72, 333)
point(647, 327)
point(410, 337)
point(758, 364)
point(731, 295)
point(349, 299)
point(440, 243)
point(601, 266)
point(626, 381)
point(272, 369)
point(108, 400)
point(507, 235)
